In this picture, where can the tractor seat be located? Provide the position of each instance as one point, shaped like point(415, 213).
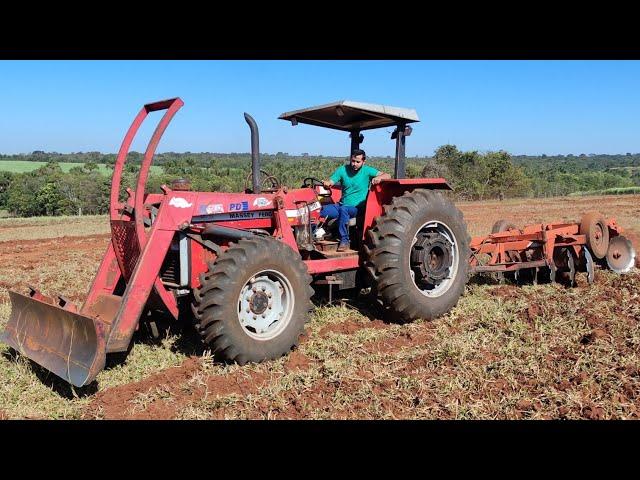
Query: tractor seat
point(352, 222)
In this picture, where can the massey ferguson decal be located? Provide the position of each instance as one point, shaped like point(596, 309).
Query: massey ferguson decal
point(179, 202)
point(233, 216)
point(261, 202)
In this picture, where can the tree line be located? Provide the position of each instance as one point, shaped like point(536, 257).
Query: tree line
point(473, 175)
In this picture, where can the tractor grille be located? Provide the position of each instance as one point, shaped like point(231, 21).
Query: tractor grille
point(125, 244)
point(170, 271)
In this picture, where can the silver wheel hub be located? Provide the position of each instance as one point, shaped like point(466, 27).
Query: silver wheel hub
point(434, 259)
point(265, 305)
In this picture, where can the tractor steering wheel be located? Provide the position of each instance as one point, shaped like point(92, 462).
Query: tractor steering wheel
point(311, 182)
point(268, 183)
point(317, 185)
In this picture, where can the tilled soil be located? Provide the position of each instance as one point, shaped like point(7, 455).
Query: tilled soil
point(191, 389)
point(147, 399)
point(30, 259)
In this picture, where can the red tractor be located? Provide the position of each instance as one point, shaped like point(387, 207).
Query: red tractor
point(242, 265)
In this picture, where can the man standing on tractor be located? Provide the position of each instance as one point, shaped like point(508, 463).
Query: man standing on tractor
point(355, 179)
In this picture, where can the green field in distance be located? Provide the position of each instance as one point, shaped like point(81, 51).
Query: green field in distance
point(19, 166)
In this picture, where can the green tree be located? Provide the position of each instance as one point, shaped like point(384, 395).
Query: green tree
point(5, 181)
point(21, 195)
point(434, 169)
point(49, 199)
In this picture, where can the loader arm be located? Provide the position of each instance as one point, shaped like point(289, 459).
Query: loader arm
point(72, 342)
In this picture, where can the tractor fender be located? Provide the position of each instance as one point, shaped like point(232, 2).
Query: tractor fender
point(382, 194)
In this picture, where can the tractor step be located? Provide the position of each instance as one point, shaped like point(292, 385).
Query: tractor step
point(328, 248)
point(335, 254)
point(330, 280)
point(326, 245)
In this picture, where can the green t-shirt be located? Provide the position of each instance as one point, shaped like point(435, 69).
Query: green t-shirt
point(355, 185)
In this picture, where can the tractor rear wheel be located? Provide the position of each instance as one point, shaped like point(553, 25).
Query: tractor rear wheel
point(254, 301)
point(418, 255)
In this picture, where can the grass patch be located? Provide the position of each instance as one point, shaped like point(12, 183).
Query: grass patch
point(609, 191)
point(22, 166)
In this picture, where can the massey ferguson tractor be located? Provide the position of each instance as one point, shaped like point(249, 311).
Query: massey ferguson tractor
point(242, 265)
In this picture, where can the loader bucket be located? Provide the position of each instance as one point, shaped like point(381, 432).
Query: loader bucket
point(71, 345)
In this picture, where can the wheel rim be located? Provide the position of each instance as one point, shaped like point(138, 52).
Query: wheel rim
point(265, 305)
point(598, 236)
point(434, 272)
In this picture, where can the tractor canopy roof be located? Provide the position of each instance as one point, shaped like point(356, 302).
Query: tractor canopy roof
point(349, 116)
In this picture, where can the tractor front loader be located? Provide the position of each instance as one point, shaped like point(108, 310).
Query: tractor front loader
point(241, 265)
point(73, 342)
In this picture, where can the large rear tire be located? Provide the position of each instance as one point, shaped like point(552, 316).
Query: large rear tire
point(418, 255)
point(254, 301)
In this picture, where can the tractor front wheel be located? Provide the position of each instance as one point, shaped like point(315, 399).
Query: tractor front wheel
point(418, 255)
point(254, 301)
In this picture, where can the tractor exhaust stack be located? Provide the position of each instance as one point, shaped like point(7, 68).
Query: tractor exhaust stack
point(255, 152)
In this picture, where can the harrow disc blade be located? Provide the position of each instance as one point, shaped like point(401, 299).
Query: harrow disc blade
point(69, 344)
point(571, 265)
point(621, 255)
point(588, 265)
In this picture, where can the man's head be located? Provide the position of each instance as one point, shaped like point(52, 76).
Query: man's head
point(358, 157)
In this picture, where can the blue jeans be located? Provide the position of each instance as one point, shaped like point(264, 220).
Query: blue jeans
point(343, 213)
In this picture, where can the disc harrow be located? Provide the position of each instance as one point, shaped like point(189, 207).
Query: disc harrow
point(552, 251)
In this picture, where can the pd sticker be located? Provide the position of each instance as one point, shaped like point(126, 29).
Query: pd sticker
point(238, 207)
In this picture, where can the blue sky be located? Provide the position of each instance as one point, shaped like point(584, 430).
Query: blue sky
point(524, 107)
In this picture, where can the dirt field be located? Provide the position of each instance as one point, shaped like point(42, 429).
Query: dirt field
point(504, 351)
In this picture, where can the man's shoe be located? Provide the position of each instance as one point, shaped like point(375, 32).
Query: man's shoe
point(343, 247)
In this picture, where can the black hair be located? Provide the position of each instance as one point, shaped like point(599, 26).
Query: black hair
point(357, 151)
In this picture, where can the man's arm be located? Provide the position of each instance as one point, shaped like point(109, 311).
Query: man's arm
point(334, 178)
point(378, 178)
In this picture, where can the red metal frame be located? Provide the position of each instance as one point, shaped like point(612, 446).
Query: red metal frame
point(127, 247)
point(540, 239)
